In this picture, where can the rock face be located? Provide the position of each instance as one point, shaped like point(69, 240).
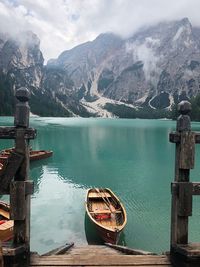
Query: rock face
point(22, 64)
point(156, 67)
point(22, 60)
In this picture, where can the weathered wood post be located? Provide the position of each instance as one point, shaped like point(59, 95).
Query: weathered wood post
point(1, 255)
point(20, 187)
point(182, 190)
point(19, 200)
point(184, 161)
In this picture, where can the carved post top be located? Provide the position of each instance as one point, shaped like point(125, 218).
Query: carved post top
point(22, 94)
point(184, 107)
point(183, 121)
point(22, 108)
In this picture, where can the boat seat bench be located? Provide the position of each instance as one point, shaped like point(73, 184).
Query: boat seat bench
point(97, 195)
point(5, 213)
point(104, 211)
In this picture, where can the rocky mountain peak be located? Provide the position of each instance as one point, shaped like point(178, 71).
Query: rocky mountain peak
point(158, 66)
point(151, 67)
point(21, 51)
point(21, 60)
point(185, 21)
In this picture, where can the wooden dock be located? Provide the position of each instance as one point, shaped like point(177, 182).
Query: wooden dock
point(92, 255)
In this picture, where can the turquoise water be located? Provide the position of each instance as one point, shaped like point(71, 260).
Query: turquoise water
point(132, 157)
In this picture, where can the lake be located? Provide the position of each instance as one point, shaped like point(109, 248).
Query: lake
point(132, 157)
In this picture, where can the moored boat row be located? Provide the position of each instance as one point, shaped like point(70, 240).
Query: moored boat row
point(103, 207)
point(34, 154)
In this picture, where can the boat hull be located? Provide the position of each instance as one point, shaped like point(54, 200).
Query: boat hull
point(109, 220)
point(6, 225)
point(108, 236)
point(6, 231)
point(34, 155)
point(40, 154)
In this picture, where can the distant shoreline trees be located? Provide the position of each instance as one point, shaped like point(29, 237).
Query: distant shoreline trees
point(45, 106)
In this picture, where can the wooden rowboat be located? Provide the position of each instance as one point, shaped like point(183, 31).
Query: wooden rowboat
point(107, 213)
point(34, 154)
point(40, 154)
point(6, 225)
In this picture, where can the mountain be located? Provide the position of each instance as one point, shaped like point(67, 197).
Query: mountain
point(110, 76)
point(22, 64)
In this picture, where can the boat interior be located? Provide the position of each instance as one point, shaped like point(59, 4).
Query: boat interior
point(105, 209)
point(6, 225)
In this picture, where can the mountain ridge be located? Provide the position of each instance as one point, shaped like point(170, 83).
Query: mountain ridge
point(154, 69)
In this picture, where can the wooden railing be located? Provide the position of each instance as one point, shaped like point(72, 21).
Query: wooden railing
point(14, 181)
point(182, 252)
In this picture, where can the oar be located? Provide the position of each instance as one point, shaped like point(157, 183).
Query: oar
point(111, 206)
point(113, 199)
point(106, 201)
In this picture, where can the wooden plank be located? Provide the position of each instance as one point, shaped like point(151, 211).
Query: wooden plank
point(29, 187)
point(179, 225)
point(174, 137)
point(149, 265)
point(166, 265)
point(92, 250)
point(97, 195)
point(17, 200)
point(60, 250)
point(189, 250)
point(116, 265)
point(1, 256)
point(93, 253)
point(12, 165)
point(184, 161)
point(182, 230)
point(7, 132)
point(5, 213)
point(196, 188)
point(197, 137)
point(185, 199)
point(10, 133)
point(13, 250)
point(129, 251)
point(187, 151)
point(22, 227)
point(101, 261)
point(100, 211)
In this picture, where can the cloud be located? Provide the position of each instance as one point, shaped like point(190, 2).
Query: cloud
point(62, 24)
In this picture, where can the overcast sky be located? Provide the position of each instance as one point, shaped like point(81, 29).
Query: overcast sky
point(62, 24)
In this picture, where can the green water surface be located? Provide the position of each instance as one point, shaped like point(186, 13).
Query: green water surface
point(132, 157)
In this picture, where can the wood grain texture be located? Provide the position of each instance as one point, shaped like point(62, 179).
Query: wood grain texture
point(109, 260)
point(10, 133)
point(94, 255)
point(185, 198)
point(17, 200)
point(1, 256)
point(187, 151)
point(9, 170)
